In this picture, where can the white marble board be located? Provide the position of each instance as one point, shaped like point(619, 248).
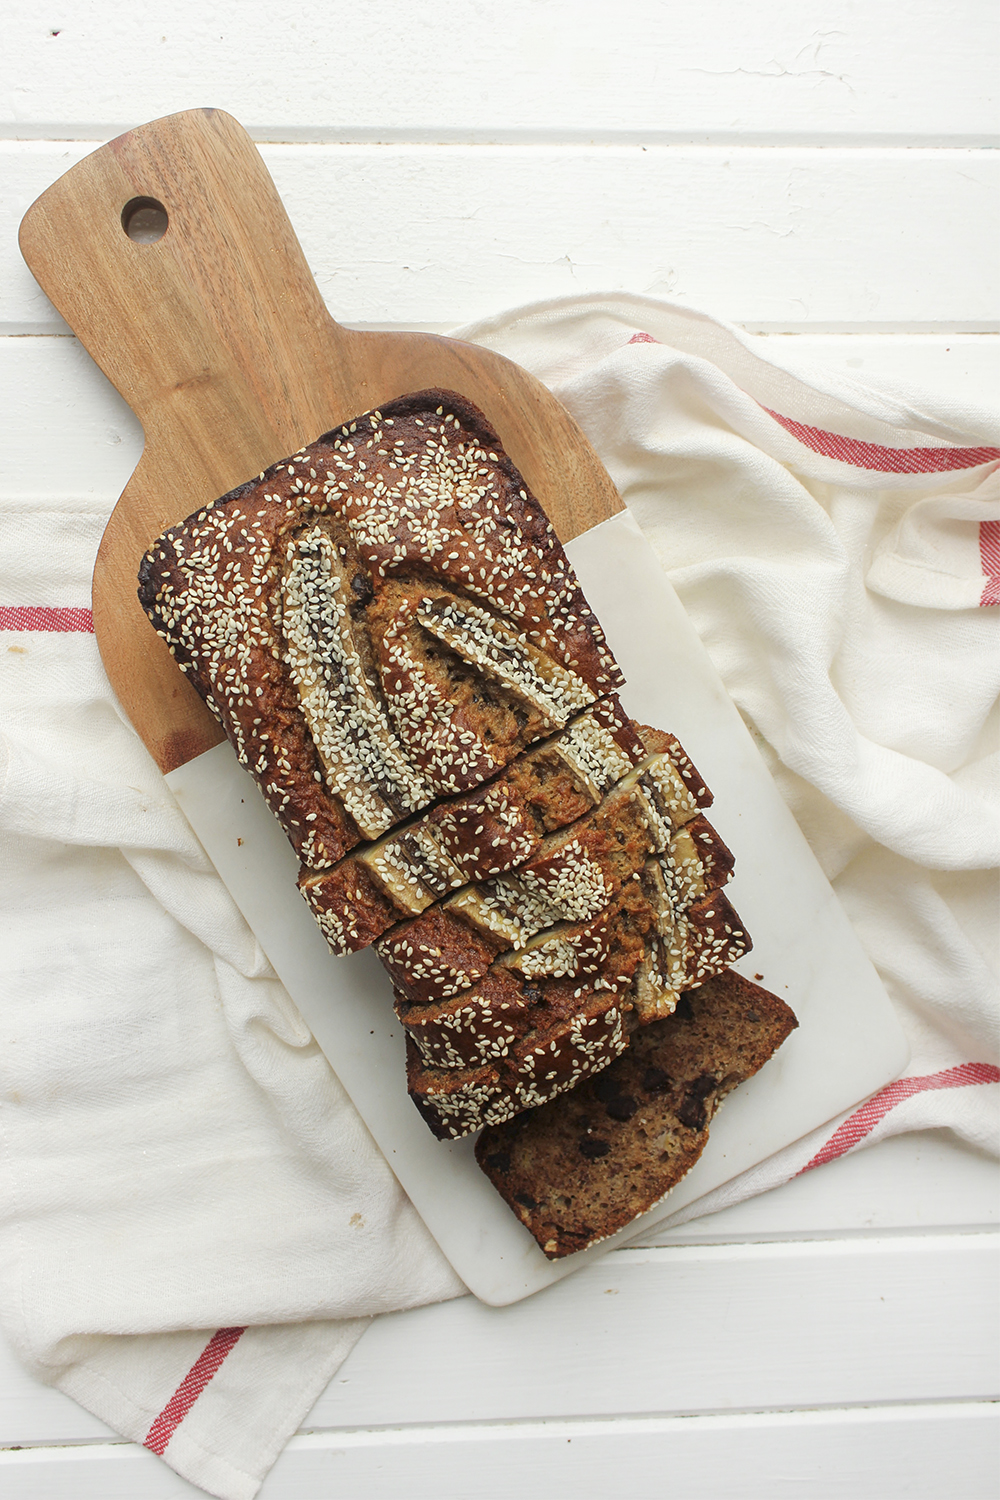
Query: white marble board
point(848, 1043)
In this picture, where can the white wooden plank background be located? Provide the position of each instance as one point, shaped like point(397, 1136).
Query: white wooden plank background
point(811, 70)
point(949, 1451)
point(772, 237)
point(823, 171)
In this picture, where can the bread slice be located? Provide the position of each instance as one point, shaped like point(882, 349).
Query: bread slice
point(583, 1165)
point(382, 619)
point(476, 836)
point(582, 1035)
point(571, 878)
point(638, 947)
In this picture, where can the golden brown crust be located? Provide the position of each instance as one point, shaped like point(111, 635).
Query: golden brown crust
point(584, 1165)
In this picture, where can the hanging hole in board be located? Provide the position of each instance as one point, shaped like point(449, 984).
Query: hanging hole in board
point(144, 220)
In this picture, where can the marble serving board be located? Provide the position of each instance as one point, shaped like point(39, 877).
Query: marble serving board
point(848, 1044)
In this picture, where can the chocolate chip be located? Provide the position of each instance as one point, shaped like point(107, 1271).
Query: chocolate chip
point(525, 1200)
point(499, 1161)
point(655, 1081)
point(693, 1112)
point(361, 587)
point(606, 1088)
point(592, 1147)
point(622, 1108)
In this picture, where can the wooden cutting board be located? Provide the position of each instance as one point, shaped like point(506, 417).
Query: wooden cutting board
point(217, 337)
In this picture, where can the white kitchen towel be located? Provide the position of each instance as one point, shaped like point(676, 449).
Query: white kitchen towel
point(196, 1225)
point(838, 549)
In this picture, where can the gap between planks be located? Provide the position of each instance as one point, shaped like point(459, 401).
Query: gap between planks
point(98, 132)
point(529, 1429)
point(927, 331)
point(918, 1241)
point(586, 144)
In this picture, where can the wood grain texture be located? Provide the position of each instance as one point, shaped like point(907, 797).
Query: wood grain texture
point(220, 342)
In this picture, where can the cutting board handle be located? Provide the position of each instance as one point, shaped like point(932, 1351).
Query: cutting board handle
point(185, 327)
point(217, 337)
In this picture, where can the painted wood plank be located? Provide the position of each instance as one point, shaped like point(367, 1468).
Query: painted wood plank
point(920, 1180)
point(926, 1451)
point(693, 1329)
point(812, 68)
point(405, 233)
point(71, 441)
point(918, 1452)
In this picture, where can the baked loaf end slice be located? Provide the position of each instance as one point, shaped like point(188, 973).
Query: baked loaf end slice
point(584, 1165)
point(382, 619)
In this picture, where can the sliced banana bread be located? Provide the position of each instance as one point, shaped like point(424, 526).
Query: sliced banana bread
point(475, 836)
point(571, 877)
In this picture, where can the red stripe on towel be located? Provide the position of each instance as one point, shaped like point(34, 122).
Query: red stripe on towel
point(31, 617)
point(886, 460)
point(201, 1372)
point(864, 1120)
point(989, 552)
point(874, 455)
